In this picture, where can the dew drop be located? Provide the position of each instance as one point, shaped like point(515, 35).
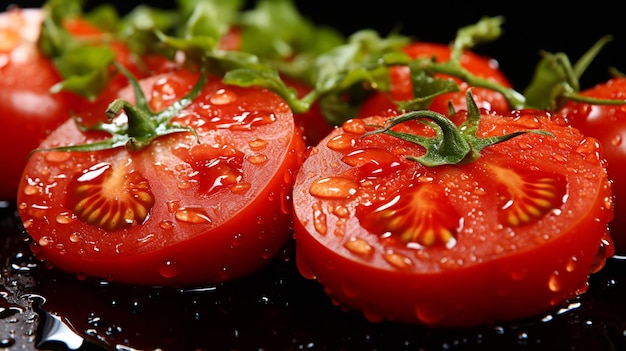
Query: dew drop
point(65, 218)
point(172, 206)
point(319, 219)
point(7, 342)
point(340, 227)
point(194, 215)
point(30, 190)
point(571, 264)
point(240, 187)
point(617, 140)
point(74, 237)
point(397, 260)
point(166, 225)
point(257, 159)
point(355, 126)
point(554, 282)
point(168, 269)
point(223, 97)
point(359, 246)
point(45, 241)
point(333, 187)
point(257, 144)
point(341, 142)
point(341, 211)
point(57, 156)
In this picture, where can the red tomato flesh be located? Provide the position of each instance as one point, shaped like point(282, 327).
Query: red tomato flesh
point(178, 212)
point(514, 234)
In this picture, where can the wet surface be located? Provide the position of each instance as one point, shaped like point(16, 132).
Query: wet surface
point(274, 309)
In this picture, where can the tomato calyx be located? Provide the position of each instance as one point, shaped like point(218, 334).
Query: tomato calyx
point(143, 125)
point(451, 144)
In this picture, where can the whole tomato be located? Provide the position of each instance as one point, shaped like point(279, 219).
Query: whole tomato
point(607, 123)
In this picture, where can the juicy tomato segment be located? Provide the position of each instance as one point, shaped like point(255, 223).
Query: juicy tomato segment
point(181, 211)
point(518, 231)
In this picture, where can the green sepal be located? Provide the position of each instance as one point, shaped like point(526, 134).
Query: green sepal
point(451, 145)
point(143, 125)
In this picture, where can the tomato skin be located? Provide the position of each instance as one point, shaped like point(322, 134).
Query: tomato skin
point(607, 123)
point(380, 103)
point(494, 271)
point(191, 236)
point(29, 111)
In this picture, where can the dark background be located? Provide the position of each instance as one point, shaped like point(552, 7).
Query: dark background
point(527, 29)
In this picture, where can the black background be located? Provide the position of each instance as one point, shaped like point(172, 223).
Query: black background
point(528, 28)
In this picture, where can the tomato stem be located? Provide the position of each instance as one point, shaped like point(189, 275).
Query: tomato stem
point(452, 144)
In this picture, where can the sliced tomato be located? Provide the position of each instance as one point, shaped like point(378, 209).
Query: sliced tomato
point(512, 234)
point(401, 88)
point(180, 210)
point(607, 123)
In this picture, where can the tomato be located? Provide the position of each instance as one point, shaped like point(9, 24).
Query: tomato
point(170, 209)
point(401, 88)
point(607, 123)
point(29, 110)
point(510, 234)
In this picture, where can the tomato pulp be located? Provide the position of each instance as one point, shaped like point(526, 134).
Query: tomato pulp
point(511, 235)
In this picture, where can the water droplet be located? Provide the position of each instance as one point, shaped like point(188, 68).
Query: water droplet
point(45, 241)
point(75, 237)
point(571, 264)
point(319, 219)
point(172, 206)
point(57, 156)
point(168, 269)
point(223, 97)
point(554, 282)
point(334, 187)
point(240, 187)
point(65, 218)
point(341, 142)
point(617, 140)
point(397, 260)
point(257, 159)
point(30, 190)
point(359, 246)
point(166, 225)
point(194, 215)
point(257, 144)
point(354, 126)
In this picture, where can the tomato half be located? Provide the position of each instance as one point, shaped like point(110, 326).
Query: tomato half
point(28, 110)
point(401, 88)
point(179, 211)
point(607, 123)
point(510, 235)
